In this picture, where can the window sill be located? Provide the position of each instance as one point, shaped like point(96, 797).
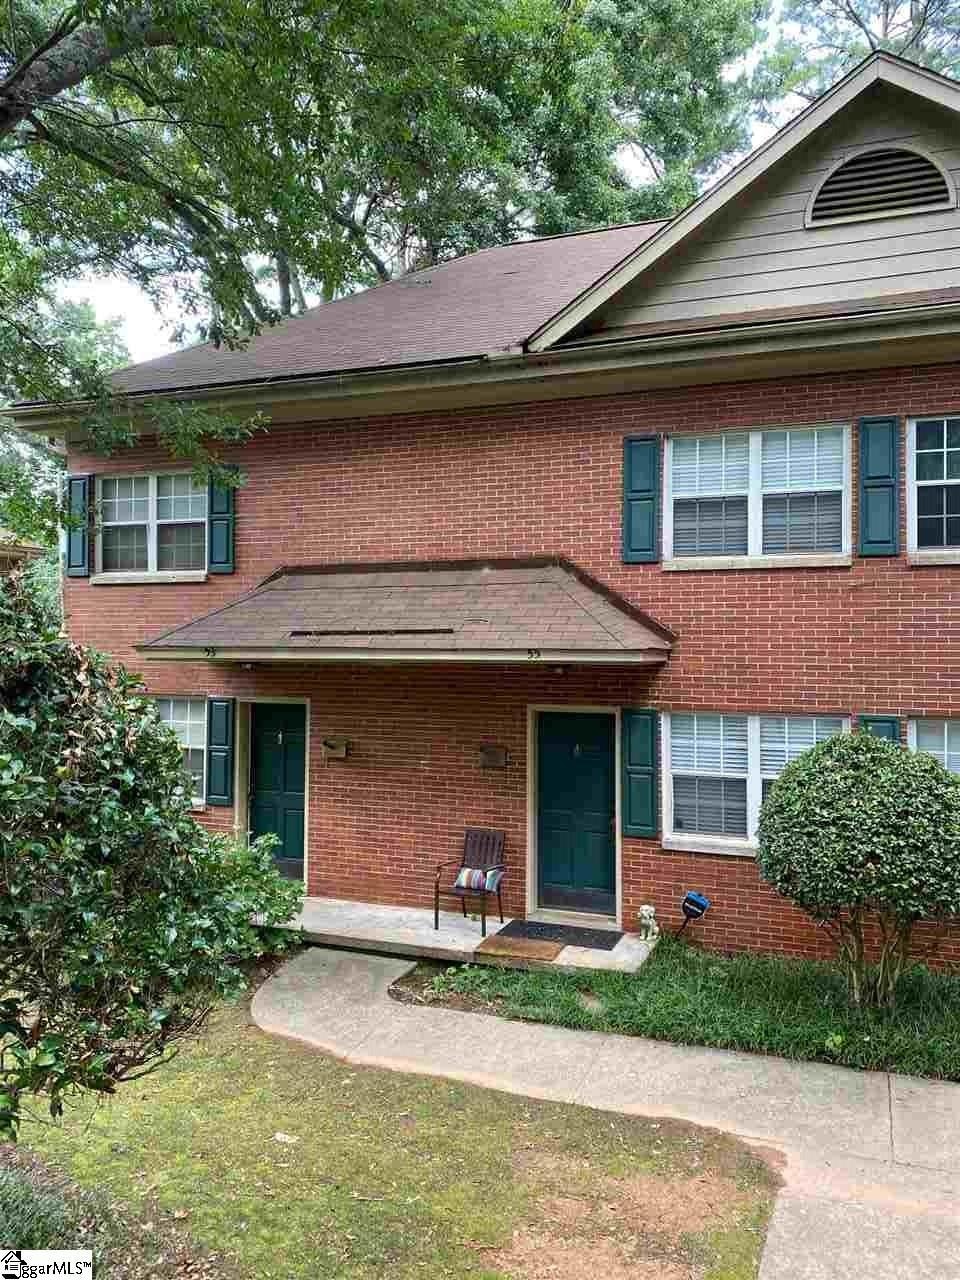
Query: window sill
point(951, 556)
point(817, 560)
point(158, 579)
point(710, 844)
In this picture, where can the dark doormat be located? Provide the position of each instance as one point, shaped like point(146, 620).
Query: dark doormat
point(567, 935)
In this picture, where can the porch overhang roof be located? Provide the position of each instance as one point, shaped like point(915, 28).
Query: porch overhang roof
point(530, 610)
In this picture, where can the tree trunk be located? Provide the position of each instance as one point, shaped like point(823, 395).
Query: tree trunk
point(299, 300)
point(283, 282)
point(70, 59)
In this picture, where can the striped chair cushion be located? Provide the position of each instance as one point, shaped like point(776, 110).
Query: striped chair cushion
point(479, 880)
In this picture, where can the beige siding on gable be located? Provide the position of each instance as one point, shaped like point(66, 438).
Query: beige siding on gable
point(758, 255)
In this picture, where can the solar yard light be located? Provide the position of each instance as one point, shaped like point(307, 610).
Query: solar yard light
point(694, 907)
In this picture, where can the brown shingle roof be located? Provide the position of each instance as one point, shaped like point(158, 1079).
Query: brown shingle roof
point(483, 302)
point(471, 610)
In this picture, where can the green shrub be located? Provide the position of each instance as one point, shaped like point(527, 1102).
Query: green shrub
point(865, 838)
point(122, 921)
point(34, 1219)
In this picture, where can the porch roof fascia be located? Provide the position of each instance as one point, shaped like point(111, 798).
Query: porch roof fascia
point(509, 657)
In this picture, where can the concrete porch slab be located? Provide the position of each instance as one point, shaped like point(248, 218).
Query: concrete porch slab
point(409, 931)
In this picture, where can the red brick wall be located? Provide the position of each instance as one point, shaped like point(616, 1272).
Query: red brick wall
point(880, 636)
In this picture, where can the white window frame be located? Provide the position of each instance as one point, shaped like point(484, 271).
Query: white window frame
point(916, 554)
point(912, 732)
point(198, 801)
point(697, 842)
point(755, 557)
point(153, 523)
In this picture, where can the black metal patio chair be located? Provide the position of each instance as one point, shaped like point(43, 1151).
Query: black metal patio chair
point(480, 874)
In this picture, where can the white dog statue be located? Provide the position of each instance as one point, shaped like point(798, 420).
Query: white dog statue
point(647, 918)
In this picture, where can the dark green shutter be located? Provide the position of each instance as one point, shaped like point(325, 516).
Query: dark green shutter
point(639, 749)
point(221, 521)
point(79, 497)
point(881, 726)
point(641, 499)
point(879, 486)
point(221, 721)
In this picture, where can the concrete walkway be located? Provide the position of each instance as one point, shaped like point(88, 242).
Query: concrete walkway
point(872, 1161)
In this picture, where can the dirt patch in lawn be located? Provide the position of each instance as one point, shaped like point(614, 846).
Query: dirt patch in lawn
point(417, 987)
point(634, 1227)
point(539, 1255)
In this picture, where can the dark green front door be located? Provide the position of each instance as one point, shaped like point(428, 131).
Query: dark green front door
point(278, 759)
point(576, 811)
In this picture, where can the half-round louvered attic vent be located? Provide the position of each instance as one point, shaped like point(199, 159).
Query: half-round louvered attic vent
point(880, 184)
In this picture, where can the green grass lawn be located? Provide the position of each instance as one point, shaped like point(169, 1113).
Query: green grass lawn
point(767, 1004)
point(293, 1164)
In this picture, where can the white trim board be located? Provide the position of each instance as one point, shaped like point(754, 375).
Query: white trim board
point(532, 879)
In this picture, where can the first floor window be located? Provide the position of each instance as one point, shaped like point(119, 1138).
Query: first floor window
point(783, 738)
point(151, 523)
point(708, 761)
point(758, 493)
point(188, 719)
point(941, 738)
point(719, 768)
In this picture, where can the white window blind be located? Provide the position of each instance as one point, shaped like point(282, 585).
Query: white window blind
point(709, 743)
point(941, 738)
point(783, 738)
point(758, 493)
point(188, 719)
point(802, 460)
point(710, 465)
point(719, 768)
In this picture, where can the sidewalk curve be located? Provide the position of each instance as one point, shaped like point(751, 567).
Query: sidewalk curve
point(872, 1161)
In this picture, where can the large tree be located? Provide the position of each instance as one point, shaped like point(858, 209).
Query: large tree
point(184, 144)
point(174, 140)
point(67, 346)
point(822, 39)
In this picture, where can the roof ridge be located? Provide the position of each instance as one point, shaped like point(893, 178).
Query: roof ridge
point(505, 244)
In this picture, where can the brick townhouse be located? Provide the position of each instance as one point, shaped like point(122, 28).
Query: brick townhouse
point(580, 538)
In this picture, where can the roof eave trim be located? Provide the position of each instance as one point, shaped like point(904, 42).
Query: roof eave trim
point(44, 414)
point(599, 355)
point(877, 67)
point(524, 657)
point(720, 335)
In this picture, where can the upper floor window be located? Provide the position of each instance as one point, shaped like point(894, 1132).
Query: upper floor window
point(151, 523)
point(758, 493)
point(718, 769)
point(933, 484)
point(187, 717)
point(880, 183)
point(941, 738)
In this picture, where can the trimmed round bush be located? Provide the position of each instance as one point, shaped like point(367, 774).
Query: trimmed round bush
point(865, 838)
